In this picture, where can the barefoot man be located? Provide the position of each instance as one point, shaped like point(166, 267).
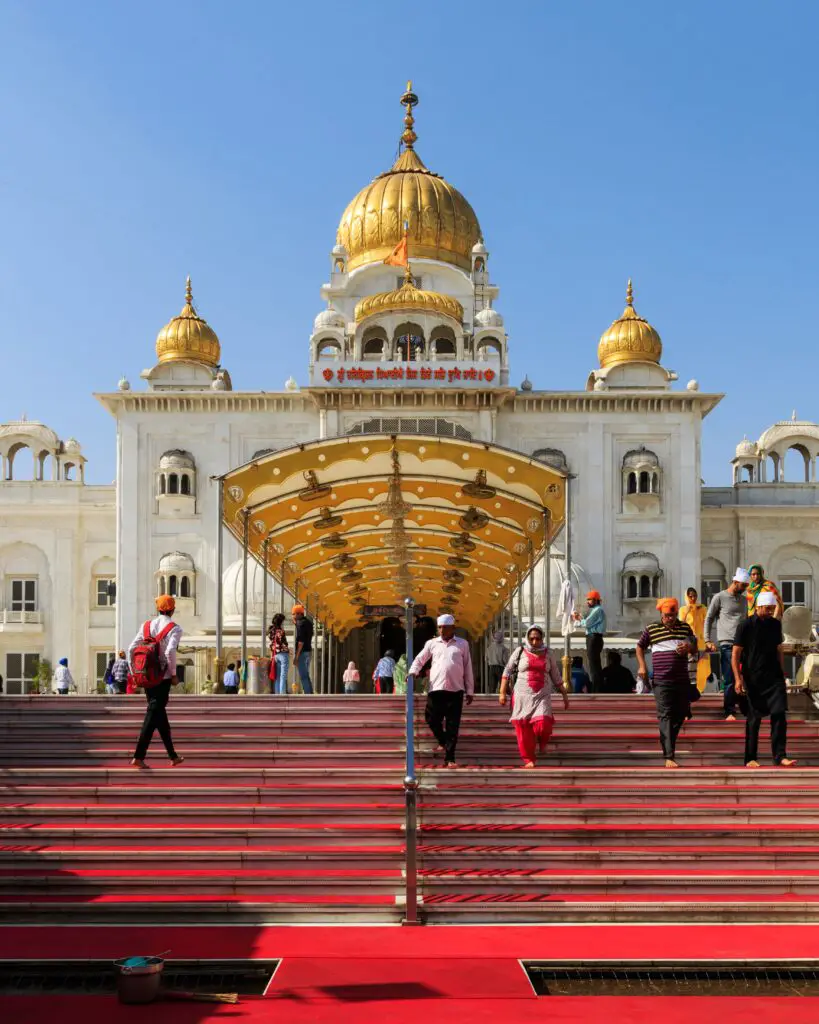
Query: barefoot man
point(451, 682)
point(759, 672)
point(671, 643)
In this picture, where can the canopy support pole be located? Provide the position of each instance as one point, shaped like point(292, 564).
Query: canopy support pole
point(263, 635)
point(547, 579)
point(567, 640)
point(245, 530)
point(220, 557)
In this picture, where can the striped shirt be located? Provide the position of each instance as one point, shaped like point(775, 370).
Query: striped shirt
point(668, 665)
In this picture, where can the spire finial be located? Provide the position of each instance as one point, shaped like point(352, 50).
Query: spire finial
point(188, 291)
point(629, 294)
point(409, 100)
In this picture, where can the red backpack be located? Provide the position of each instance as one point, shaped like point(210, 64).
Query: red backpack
point(147, 669)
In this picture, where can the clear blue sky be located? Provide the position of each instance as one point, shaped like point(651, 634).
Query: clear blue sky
point(674, 143)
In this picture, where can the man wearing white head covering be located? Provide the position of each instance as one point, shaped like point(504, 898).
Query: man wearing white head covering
point(726, 613)
point(759, 671)
point(450, 682)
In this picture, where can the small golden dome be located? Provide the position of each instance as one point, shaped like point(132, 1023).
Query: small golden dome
point(409, 299)
point(441, 223)
point(631, 339)
point(188, 336)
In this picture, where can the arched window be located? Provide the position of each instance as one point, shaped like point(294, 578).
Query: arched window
point(408, 343)
point(162, 483)
point(488, 347)
point(795, 465)
point(185, 587)
point(642, 481)
point(186, 484)
point(173, 484)
point(641, 576)
point(553, 457)
point(172, 585)
point(160, 586)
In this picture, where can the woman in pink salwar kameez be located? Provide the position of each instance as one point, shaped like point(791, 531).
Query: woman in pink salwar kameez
point(537, 675)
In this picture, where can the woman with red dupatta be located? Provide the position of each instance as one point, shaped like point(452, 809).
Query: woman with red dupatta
point(535, 675)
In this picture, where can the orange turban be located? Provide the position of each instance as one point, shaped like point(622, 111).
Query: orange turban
point(165, 604)
point(298, 609)
point(593, 595)
point(668, 606)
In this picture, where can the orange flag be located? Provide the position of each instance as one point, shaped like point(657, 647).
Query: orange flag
point(398, 257)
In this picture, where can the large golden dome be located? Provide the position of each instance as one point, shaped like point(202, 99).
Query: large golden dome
point(188, 336)
point(409, 299)
point(631, 339)
point(441, 223)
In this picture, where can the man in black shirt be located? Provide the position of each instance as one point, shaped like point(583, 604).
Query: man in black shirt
point(304, 647)
point(759, 671)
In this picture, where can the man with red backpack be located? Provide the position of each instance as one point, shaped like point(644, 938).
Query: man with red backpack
point(152, 659)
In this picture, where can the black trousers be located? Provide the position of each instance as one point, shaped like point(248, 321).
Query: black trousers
point(156, 718)
point(495, 673)
point(443, 716)
point(672, 709)
point(594, 649)
point(779, 734)
point(387, 684)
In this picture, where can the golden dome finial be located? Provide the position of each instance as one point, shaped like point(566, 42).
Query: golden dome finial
point(631, 339)
point(409, 100)
point(188, 336)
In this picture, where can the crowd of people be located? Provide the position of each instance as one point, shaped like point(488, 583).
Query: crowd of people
point(742, 625)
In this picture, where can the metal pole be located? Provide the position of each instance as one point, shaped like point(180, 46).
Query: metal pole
point(531, 583)
point(263, 637)
point(331, 655)
point(245, 529)
point(411, 783)
point(546, 585)
point(567, 643)
point(220, 554)
point(520, 609)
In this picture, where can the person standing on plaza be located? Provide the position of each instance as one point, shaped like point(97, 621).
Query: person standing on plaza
point(671, 643)
point(595, 625)
point(304, 647)
point(230, 680)
point(108, 678)
point(279, 655)
point(759, 672)
point(497, 654)
point(535, 675)
point(451, 682)
point(63, 680)
point(167, 633)
point(120, 673)
point(694, 614)
point(400, 676)
point(385, 673)
point(726, 613)
point(351, 678)
point(758, 586)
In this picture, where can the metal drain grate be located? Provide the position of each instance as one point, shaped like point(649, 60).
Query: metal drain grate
point(651, 978)
point(99, 977)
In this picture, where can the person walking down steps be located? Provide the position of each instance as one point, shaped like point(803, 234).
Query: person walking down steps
point(451, 682)
point(152, 657)
point(534, 675)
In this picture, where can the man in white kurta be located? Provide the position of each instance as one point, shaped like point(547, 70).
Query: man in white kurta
point(451, 681)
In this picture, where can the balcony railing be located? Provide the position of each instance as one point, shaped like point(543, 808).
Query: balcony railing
point(20, 618)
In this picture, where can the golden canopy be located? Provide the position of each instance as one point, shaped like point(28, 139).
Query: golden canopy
point(441, 223)
point(409, 299)
point(630, 339)
point(372, 519)
point(188, 336)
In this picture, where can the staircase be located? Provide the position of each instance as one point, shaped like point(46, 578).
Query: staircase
point(291, 809)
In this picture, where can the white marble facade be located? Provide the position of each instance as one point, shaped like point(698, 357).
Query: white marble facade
point(630, 435)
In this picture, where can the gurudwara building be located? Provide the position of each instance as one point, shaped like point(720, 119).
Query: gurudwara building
point(412, 350)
